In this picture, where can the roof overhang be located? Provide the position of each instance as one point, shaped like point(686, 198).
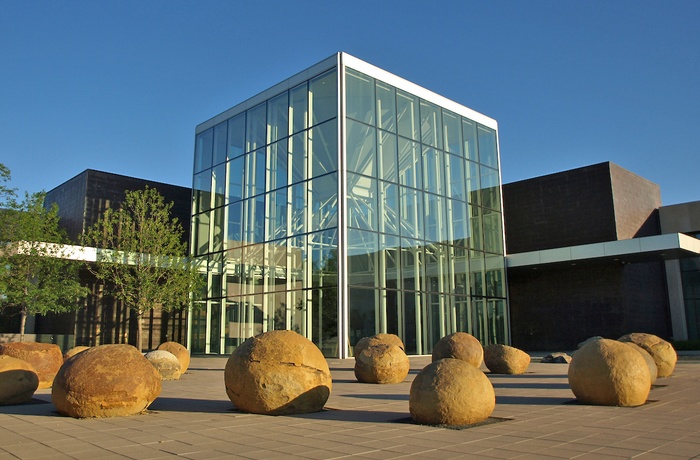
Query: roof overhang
point(646, 249)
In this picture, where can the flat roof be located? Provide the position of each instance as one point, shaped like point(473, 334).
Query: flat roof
point(649, 248)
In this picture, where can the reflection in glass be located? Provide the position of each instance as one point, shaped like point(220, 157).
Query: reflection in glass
point(236, 170)
point(255, 128)
point(297, 215)
point(218, 184)
point(490, 188)
point(410, 164)
point(362, 257)
point(324, 201)
point(433, 171)
point(236, 136)
point(220, 132)
point(277, 118)
point(203, 150)
point(278, 156)
point(297, 158)
point(361, 155)
point(323, 100)
point(453, 132)
point(235, 220)
point(386, 107)
point(202, 191)
point(298, 108)
point(388, 156)
point(407, 115)
point(454, 167)
point(389, 206)
point(411, 211)
point(362, 202)
point(323, 148)
point(488, 153)
point(431, 124)
point(360, 97)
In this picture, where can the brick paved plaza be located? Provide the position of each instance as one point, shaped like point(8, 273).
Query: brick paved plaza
point(535, 417)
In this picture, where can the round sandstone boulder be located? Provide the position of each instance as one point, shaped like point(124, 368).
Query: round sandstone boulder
point(382, 363)
point(278, 373)
point(106, 381)
point(653, 370)
point(18, 380)
point(459, 345)
point(503, 359)
point(389, 339)
point(662, 351)
point(45, 358)
point(451, 392)
point(609, 373)
point(166, 363)
point(180, 352)
point(74, 351)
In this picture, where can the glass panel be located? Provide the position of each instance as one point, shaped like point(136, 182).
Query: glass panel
point(490, 188)
point(460, 274)
point(235, 178)
point(386, 107)
point(324, 202)
point(431, 124)
point(363, 304)
point(477, 236)
point(433, 171)
point(235, 220)
point(220, 132)
point(277, 155)
point(323, 148)
point(476, 273)
point(255, 128)
point(203, 150)
point(218, 234)
point(278, 118)
point(277, 215)
point(473, 183)
point(389, 252)
point(411, 305)
point(497, 318)
point(202, 191)
point(488, 154)
point(362, 257)
point(493, 232)
point(362, 202)
point(199, 327)
point(298, 108)
point(454, 167)
point(412, 264)
point(297, 157)
point(407, 115)
point(495, 268)
point(389, 208)
point(298, 209)
point(255, 173)
point(325, 321)
point(411, 211)
point(410, 161)
point(388, 157)
point(236, 136)
point(469, 139)
point(360, 97)
point(215, 327)
point(297, 262)
point(201, 233)
point(453, 132)
point(435, 222)
point(218, 184)
point(323, 249)
point(361, 148)
point(458, 223)
point(254, 223)
point(323, 100)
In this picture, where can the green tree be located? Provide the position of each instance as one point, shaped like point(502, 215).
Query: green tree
point(36, 275)
point(141, 256)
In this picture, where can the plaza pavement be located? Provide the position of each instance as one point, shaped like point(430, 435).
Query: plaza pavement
point(536, 417)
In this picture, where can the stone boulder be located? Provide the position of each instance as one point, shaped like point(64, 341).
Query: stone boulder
point(451, 392)
point(382, 363)
point(609, 373)
point(503, 359)
point(278, 373)
point(18, 380)
point(381, 338)
point(653, 370)
point(106, 381)
point(166, 363)
point(181, 353)
point(556, 358)
point(45, 358)
point(459, 345)
point(74, 351)
point(662, 351)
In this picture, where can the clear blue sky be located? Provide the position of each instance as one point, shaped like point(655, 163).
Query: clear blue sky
point(120, 85)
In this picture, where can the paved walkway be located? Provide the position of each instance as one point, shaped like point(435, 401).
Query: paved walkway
point(535, 417)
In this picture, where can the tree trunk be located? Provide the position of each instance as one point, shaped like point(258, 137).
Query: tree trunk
point(139, 334)
point(22, 324)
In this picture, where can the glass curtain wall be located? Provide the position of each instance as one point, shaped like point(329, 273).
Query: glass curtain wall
point(425, 235)
point(265, 220)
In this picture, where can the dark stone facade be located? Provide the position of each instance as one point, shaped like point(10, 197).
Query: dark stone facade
point(102, 320)
point(554, 307)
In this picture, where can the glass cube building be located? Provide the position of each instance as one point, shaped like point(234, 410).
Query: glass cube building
point(343, 202)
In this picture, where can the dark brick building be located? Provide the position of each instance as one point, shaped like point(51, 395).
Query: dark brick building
point(81, 202)
point(559, 299)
